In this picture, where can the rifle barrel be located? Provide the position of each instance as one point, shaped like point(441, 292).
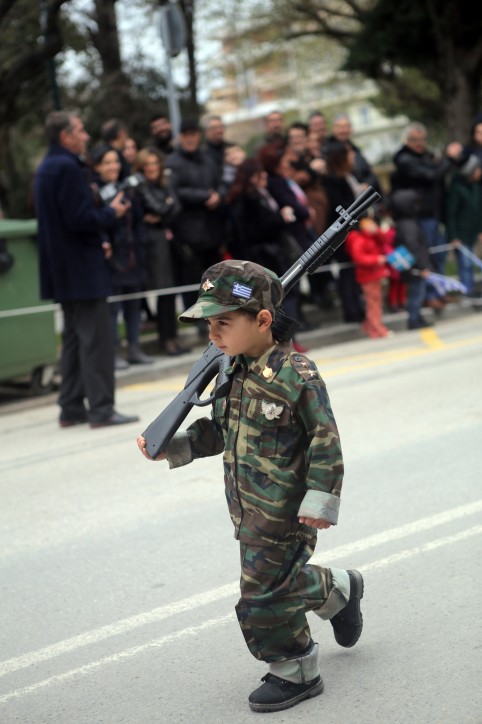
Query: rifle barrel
point(329, 241)
point(213, 362)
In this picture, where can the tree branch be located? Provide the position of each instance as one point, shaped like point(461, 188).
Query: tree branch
point(5, 8)
point(53, 10)
point(27, 65)
point(326, 18)
point(407, 93)
point(342, 37)
point(321, 12)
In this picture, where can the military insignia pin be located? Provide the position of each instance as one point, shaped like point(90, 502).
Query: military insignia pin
point(270, 410)
point(207, 285)
point(267, 372)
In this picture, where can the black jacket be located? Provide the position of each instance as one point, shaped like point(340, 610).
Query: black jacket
point(160, 201)
point(258, 232)
point(422, 173)
point(127, 265)
point(70, 230)
point(193, 177)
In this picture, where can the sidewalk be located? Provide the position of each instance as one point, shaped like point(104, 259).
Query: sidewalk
point(327, 330)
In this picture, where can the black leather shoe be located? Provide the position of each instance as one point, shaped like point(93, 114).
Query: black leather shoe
point(70, 422)
point(115, 419)
point(277, 694)
point(176, 350)
point(348, 623)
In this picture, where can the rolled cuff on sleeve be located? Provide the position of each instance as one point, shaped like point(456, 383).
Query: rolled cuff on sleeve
point(178, 450)
point(317, 504)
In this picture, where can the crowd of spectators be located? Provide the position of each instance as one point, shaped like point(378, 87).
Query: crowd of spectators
point(202, 199)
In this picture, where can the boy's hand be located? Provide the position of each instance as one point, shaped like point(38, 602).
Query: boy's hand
point(319, 523)
point(141, 444)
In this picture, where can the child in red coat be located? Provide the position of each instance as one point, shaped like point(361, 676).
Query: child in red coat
point(366, 246)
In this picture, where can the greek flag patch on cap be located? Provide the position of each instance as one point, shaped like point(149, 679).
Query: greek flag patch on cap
point(241, 290)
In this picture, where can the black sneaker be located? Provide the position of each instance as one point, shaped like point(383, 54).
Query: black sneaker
point(277, 694)
point(348, 623)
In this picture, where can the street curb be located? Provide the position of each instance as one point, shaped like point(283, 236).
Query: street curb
point(321, 336)
point(325, 332)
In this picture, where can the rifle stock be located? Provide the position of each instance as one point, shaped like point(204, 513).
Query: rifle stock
point(213, 362)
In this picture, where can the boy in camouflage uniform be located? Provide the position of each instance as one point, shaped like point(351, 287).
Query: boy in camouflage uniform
point(283, 473)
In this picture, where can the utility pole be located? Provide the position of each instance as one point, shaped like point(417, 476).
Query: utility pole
point(52, 71)
point(173, 34)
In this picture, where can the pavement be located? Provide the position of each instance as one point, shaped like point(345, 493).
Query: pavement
point(326, 328)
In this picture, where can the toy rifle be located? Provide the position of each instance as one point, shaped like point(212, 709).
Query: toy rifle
point(213, 363)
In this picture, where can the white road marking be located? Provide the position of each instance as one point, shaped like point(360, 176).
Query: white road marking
point(210, 623)
point(126, 654)
point(403, 531)
point(231, 589)
point(162, 612)
point(425, 548)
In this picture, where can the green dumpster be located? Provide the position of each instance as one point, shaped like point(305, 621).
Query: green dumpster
point(27, 341)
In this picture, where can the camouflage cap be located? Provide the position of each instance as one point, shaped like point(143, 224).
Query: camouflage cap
point(233, 284)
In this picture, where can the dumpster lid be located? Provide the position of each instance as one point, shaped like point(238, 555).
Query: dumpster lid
point(14, 228)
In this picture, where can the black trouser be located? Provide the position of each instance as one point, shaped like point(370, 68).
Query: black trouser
point(87, 361)
point(350, 296)
point(166, 317)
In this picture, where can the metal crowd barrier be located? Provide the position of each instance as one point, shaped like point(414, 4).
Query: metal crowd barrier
point(332, 268)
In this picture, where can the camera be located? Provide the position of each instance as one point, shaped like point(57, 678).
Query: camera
point(109, 191)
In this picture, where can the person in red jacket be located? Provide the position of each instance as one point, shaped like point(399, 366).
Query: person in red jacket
point(366, 246)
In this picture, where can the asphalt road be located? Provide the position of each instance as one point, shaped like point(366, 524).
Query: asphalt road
point(118, 577)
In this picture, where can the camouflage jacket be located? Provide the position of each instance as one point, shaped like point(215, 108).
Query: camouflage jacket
point(282, 454)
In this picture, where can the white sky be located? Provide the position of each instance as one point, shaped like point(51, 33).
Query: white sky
point(139, 32)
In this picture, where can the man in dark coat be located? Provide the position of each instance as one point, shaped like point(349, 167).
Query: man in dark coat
point(73, 272)
point(417, 168)
point(198, 230)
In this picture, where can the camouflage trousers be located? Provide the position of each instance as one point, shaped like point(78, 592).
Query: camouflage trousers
point(278, 587)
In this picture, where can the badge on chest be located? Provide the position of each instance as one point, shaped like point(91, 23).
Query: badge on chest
point(271, 410)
